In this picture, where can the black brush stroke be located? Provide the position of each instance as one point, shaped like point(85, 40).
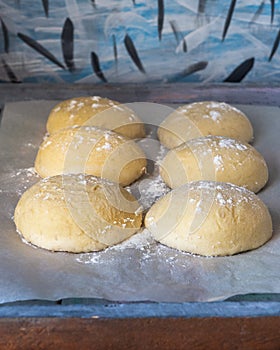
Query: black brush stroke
point(175, 30)
point(177, 33)
point(185, 48)
point(193, 68)
point(46, 7)
point(228, 19)
point(160, 17)
point(258, 12)
point(240, 72)
point(6, 36)
point(11, 75)
point(67, 44)
point(200, 10)
point(129, 45)
point(272, 6)
point(96, 67)
point(201, 7)
point(40, 49)
point(115, 48)
point(275, 46)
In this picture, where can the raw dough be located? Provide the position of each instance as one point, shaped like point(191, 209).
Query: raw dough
point(95, 111)
point(202, 119)
point(77, 213)
point(210, 218)
point(93, 151)
point(215, 158)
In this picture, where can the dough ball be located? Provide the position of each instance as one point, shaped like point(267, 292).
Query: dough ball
point(92, 151)
point(76, 213)
point(210, 218)
point(202, 119)
point(95, 111)
point(215, 158)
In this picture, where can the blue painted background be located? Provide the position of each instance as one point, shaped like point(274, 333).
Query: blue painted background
point(97, 25)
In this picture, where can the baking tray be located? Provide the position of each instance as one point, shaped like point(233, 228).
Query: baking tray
point(64, 279)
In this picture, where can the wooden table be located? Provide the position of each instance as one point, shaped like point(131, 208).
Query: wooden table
point(241, 322)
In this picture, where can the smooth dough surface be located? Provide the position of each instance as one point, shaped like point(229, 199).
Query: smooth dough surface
point(215, 158)
point(205, 118)
point(92, 151)
point(95, 111)
point(210, 218)
point(76, 213)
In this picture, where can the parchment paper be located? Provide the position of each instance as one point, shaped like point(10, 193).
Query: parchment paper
point(138, 269)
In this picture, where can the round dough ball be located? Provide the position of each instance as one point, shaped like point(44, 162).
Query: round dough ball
point(210, 218)
point(76, 213)
point(202, 119)
point(95, 111)
point(92, 151)
point(215, 158)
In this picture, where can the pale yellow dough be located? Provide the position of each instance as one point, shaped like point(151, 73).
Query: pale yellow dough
point(210, 218)
point(95, 111)
point(215, 158)
point(77, 213)
point(205, 118)
point(92, 151)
